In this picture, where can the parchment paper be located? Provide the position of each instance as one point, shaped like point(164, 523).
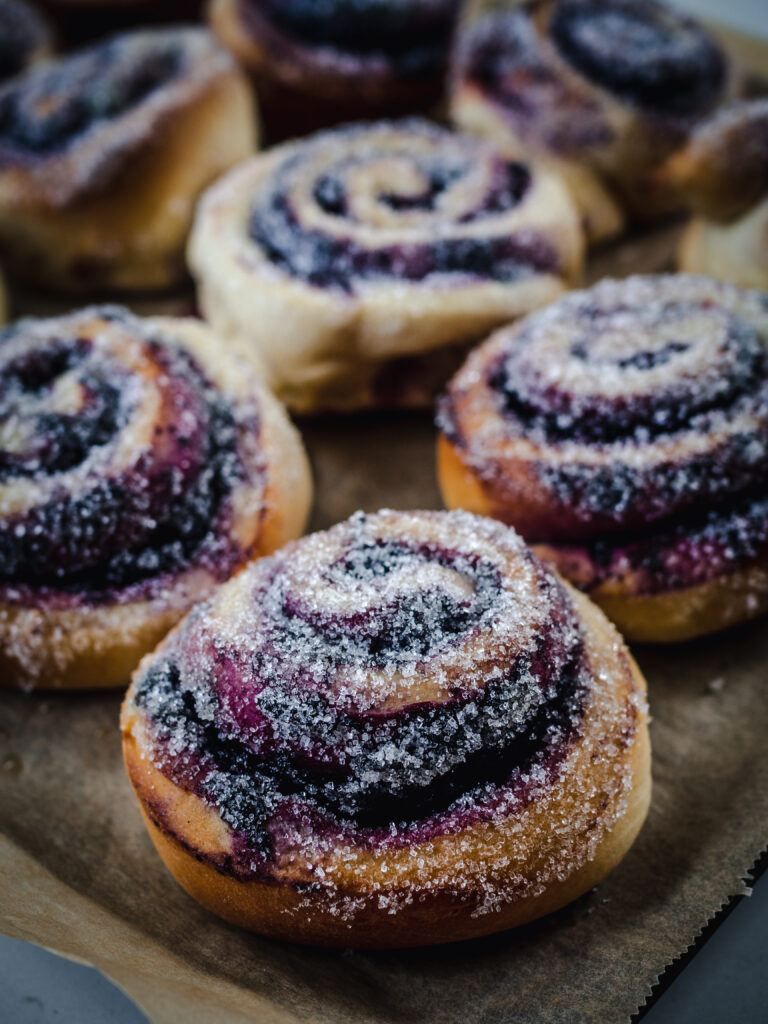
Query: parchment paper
point(78, 874)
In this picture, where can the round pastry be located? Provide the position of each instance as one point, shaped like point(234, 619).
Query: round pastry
point(25, 37)
point(104, 153)
point(404, 730)
point(317, 64)
point(340, 258)
point(625, 431)
point(723, 175)
point(601, 90)
point(140, 465)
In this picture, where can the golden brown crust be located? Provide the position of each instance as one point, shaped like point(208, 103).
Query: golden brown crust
point(411, 896)
point(114, 209)
point(663, 572)
point(98, 644)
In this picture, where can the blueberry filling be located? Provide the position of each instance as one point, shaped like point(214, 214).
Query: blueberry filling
point(595, 418)
point(338, 262)
point(689, 551)
point(643, 51)
point(155, 516)
point(415, 34)
point(248, 789)
point(20, 35)
point(48, 108)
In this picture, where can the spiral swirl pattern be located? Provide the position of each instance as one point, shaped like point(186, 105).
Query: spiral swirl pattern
point(633, 415)
point(395, 678)
point(403, 201)
point(339, 254)
point(603, 91)
point(642, 51)
point(119, 461)
point(47, 110)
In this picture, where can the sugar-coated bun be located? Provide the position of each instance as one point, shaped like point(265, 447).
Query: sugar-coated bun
point(142, 464)
point(319, 64)
point(104, 152)
point(600, 90)
point(624, 432)
point(346, 258)
point(404, 730)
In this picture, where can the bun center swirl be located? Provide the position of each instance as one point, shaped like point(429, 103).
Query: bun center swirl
point(646, 53)
point(581, 373)
point(373, 674)
point(116, 455)
point(401, 200)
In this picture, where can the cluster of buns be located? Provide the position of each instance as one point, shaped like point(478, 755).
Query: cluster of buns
point(412, 727)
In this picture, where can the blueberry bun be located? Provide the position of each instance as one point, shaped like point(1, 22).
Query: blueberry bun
point(624, 432)
point(601, 90)
point(104, 152)
point(345, 256)
point(140, 465)
point(404, 730)
point(318, 64)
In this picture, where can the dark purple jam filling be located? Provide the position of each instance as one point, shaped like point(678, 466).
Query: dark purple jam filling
point(397, 628)
point(328, 261)
point(251, 790)
point(63, 440)
point(643, 51)
point(52, 105)
point(146, 521)
point(530, 397)
point(413, 34)
point(688, 552)
point(22, 32)
point(292, 714)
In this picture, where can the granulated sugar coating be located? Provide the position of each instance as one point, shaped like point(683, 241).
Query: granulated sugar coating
point(134, 470)
point(117, 458)
point(637, 407)
point(391, 707)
